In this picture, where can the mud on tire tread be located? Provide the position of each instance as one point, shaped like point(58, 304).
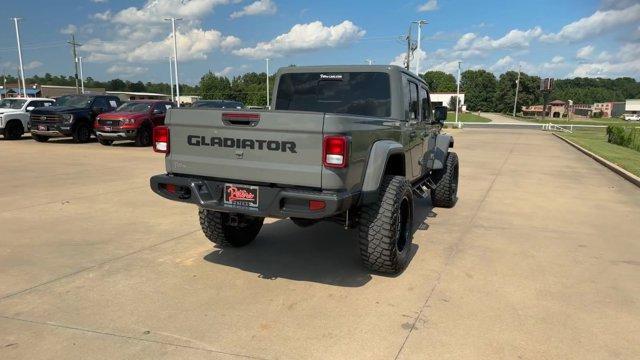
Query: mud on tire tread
point(445, 193)
point(215, 226)
point(377, 227)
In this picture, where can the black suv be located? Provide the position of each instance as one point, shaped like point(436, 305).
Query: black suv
point(72, 116)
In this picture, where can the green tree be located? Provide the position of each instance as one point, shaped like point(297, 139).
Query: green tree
point(213, 87)
point(439, 81)
point(452, 103)
point(528, 94)
point(479, 87)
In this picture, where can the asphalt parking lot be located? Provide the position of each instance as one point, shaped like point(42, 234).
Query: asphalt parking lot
point(539, 259)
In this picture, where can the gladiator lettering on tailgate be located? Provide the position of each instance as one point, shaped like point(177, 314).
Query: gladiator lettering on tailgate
point(251, 144)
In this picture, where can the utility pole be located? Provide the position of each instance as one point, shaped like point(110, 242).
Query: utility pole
point(74, 44)
point(171, 77)
point(24, 85)
point(515, 103)
point(420, 23)
point(369, 61)
point(175, 56)
point(268, 102)
point(81, 75)
point(458, 96)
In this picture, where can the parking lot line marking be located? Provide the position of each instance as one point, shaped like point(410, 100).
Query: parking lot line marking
point(465, 231)
point(128, 337)
point(96, 265)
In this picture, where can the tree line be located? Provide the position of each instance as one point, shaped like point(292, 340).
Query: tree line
point(486, 92)
point(483, 90)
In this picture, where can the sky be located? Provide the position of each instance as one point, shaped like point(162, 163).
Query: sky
point(132, 41)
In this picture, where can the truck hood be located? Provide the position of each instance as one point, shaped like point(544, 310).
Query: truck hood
point(5, 111)
point(58, 110)
point(123, 115)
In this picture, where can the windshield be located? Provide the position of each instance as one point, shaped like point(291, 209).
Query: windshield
point(354, 93)
point(134, 107)
point(12, 103)
point(76, 101)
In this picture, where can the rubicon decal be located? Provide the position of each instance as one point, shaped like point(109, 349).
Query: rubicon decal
point(233, 143)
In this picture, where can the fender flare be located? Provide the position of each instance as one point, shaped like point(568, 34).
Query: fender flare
point(379, 156)
point(443, 143)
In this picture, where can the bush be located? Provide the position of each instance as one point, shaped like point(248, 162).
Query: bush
point(624, 136)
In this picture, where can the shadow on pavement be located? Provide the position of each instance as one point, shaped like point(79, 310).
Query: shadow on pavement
point(323, 253)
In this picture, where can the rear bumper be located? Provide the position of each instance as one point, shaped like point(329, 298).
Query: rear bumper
point(273, 201)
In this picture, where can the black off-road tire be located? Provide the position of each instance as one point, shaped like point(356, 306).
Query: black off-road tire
point(385, 227)
point(143, 137)
point(217, 227)
point(445, 194)
point(13, 130)
point(40, 138)
point(82, 134)
point(105, 142)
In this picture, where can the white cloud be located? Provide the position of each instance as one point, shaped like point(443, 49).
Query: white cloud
point(69, 29)
point(430, 5)
point(470, 44)
point(585, 52)
point(193, 44)
point(226, 71)
point(104, 16)
point(126, 70)
point(596, 24)
point(305, 37)
point(418, 54)
point(155, 11)
point(260, 7)
point(141, 34)
point(502, 64)
point(557, 60)
point(32, 65)
point(449, 67)
point(625, 63)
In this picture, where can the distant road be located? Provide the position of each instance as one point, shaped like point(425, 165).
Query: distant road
point(499, 118)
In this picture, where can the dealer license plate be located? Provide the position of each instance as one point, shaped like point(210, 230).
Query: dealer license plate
point(241, 195)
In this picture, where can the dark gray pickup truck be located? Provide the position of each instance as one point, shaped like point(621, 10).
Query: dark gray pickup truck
point(352, 144)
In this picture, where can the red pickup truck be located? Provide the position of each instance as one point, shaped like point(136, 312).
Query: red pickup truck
point(133, 120)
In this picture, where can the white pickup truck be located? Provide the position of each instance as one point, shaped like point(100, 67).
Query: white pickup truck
point(14, 115)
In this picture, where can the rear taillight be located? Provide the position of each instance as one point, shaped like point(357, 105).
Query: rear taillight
point(161, 139)
point(335, 151)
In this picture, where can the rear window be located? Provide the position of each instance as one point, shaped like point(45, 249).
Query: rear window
point(353, 93)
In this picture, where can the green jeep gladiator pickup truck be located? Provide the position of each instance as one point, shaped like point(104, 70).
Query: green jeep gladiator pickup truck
point(352, 144)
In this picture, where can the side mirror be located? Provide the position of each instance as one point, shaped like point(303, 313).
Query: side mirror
point(98, 110)
point(440, 114)
point(29, 108)
point(157, 112)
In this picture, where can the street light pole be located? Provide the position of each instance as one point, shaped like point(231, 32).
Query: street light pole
point(458, 95)
point(175, 57)
point(81, 75)
point(369, 61)
point(171, 76)
point(515, 103)
point(24, 85)
point(268, 102)
point(420, 23)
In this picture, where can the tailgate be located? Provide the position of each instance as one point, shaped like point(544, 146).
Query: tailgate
point(260, 147)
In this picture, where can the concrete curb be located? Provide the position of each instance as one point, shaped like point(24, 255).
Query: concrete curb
point(611, 166)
